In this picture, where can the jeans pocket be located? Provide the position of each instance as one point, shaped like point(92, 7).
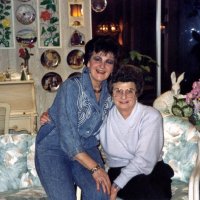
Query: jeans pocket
point(44, 131)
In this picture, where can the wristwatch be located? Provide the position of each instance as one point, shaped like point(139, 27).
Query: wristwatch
point(94, 169)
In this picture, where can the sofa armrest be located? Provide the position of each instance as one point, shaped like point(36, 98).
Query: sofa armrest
point(193, 177)
point(196, 176)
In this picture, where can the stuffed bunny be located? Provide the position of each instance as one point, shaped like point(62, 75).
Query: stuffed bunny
point(164, 102)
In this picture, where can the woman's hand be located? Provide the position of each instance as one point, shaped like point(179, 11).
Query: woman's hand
point(44, 118)
point(99, 174)
point(113, 193)
point(102, 179)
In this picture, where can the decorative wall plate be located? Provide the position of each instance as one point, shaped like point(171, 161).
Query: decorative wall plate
point(99, 5)
point(25, 14)
point(26, 36)
point(50, 59)
point(75, 59)
point(51, 81)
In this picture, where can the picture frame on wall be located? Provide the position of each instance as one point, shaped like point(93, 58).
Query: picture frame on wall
point(76, 13)
point(7, 33)
point(49, 25)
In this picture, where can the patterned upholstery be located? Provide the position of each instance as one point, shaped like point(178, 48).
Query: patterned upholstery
point(32, 193)
point(179, 190)
point(18, 177)
point(19, 180)
point(181, 152)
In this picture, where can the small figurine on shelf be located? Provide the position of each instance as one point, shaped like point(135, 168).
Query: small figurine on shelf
point(7, 74)
point(23, 72)
point(77, 38)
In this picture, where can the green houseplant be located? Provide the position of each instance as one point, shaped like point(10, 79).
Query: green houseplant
point(145, 62)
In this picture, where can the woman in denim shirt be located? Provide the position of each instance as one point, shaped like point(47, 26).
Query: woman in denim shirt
point(66, 147)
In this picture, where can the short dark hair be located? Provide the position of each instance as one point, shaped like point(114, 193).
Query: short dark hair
point(128, 73)
point(106, 44)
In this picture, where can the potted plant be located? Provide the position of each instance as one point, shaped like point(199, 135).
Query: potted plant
point(146, 63)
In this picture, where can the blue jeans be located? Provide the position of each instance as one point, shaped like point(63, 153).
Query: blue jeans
point(58, 175)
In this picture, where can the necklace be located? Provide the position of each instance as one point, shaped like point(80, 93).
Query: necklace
point(97, 91)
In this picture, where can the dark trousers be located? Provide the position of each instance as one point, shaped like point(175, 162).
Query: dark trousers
point(155, 186)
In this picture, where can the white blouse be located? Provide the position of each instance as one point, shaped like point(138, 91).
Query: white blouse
point(134, 143)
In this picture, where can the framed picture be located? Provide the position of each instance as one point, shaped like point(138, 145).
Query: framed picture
point(7, 25)
point(76, 13)
point(49, 30)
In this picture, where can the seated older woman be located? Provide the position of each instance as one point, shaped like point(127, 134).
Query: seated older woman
point(132, 138)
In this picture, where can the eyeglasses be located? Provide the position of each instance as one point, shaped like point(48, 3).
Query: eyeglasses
point(129, 93)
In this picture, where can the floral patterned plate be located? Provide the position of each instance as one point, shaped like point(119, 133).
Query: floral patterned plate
point(25, 14)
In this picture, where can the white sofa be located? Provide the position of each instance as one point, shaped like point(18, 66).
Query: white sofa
point(181, 152)
point(18, 177)
point(19, 180)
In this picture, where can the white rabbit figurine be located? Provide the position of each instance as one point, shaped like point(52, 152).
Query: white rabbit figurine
point(164, 102)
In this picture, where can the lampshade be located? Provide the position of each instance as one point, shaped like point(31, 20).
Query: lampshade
point(76, 10)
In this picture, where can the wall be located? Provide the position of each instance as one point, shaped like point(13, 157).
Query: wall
point(10, 58)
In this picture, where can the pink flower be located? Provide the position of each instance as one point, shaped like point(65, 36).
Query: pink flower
point(193, 97)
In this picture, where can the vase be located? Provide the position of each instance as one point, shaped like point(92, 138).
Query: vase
point(23, 75)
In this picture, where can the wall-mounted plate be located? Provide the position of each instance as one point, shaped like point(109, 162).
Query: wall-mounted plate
point(51, 81)
point(99, 5)
point(26, 36)
point(25, 14)
point(50, 59)
point(75, 59)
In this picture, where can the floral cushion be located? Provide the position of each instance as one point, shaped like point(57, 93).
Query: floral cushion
point(31, 176)
point(180, 147)
point(17, 168)
point(179, 190)
point(12, 160)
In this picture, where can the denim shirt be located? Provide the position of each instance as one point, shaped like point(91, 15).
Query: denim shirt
point(76, 116)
